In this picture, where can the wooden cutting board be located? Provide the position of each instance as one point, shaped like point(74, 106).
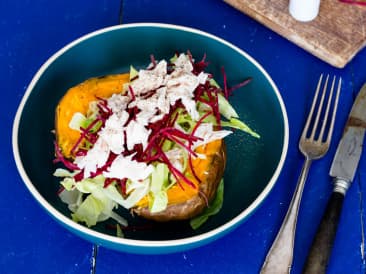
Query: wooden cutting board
point(335, 35)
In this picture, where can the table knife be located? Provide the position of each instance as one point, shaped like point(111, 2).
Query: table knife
point(342, 171)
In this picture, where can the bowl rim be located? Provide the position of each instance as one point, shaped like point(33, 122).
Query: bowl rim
point(147, 243)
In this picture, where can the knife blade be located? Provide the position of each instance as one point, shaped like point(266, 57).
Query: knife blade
point(343, 170)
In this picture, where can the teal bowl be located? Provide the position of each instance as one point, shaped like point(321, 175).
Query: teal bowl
point(253, 165)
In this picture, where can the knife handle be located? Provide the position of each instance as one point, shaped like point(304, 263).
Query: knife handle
point(321, 248)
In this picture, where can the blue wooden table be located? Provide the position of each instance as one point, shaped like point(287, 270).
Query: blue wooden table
point(32, 242)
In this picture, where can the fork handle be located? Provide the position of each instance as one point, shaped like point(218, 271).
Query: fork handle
point(321, 248)
point(279, 257)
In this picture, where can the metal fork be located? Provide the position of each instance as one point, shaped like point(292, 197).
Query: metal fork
point(313, 145)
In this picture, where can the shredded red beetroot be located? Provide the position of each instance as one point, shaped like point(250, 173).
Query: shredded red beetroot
point(100, 170)
point(60, 158)
point(132, 114)
point(199, 92)
point(148, 94)
point(241, 84)
point(192, 168)
point(200, 66)
point(85, 134)
point(78, 177)
point(200, 121)
point(212, 93)
point(215, 106)
point(190, 57)
point(153, 61)
point(122, 183)
point(108, 181)
point(226, 91)
point(133, 97)
point(104, 110)
point(81, 152)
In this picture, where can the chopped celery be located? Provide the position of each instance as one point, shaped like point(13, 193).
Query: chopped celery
point(225, 108)
point(133, 73)
point(159, 180)
point(214, 83)
point(236, 123)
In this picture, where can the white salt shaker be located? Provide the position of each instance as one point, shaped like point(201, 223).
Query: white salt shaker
point(304, 10)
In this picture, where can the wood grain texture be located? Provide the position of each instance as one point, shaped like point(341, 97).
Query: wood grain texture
point(334, 36)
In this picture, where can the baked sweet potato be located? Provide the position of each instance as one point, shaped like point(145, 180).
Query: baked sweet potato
point(184, 201)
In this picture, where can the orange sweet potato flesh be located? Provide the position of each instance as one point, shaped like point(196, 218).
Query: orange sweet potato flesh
point(182, 203)
point(77, 99)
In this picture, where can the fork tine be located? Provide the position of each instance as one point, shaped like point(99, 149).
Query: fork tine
point(315, 126)
point(320, 138)
point(307, 124)
point(334, 111)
